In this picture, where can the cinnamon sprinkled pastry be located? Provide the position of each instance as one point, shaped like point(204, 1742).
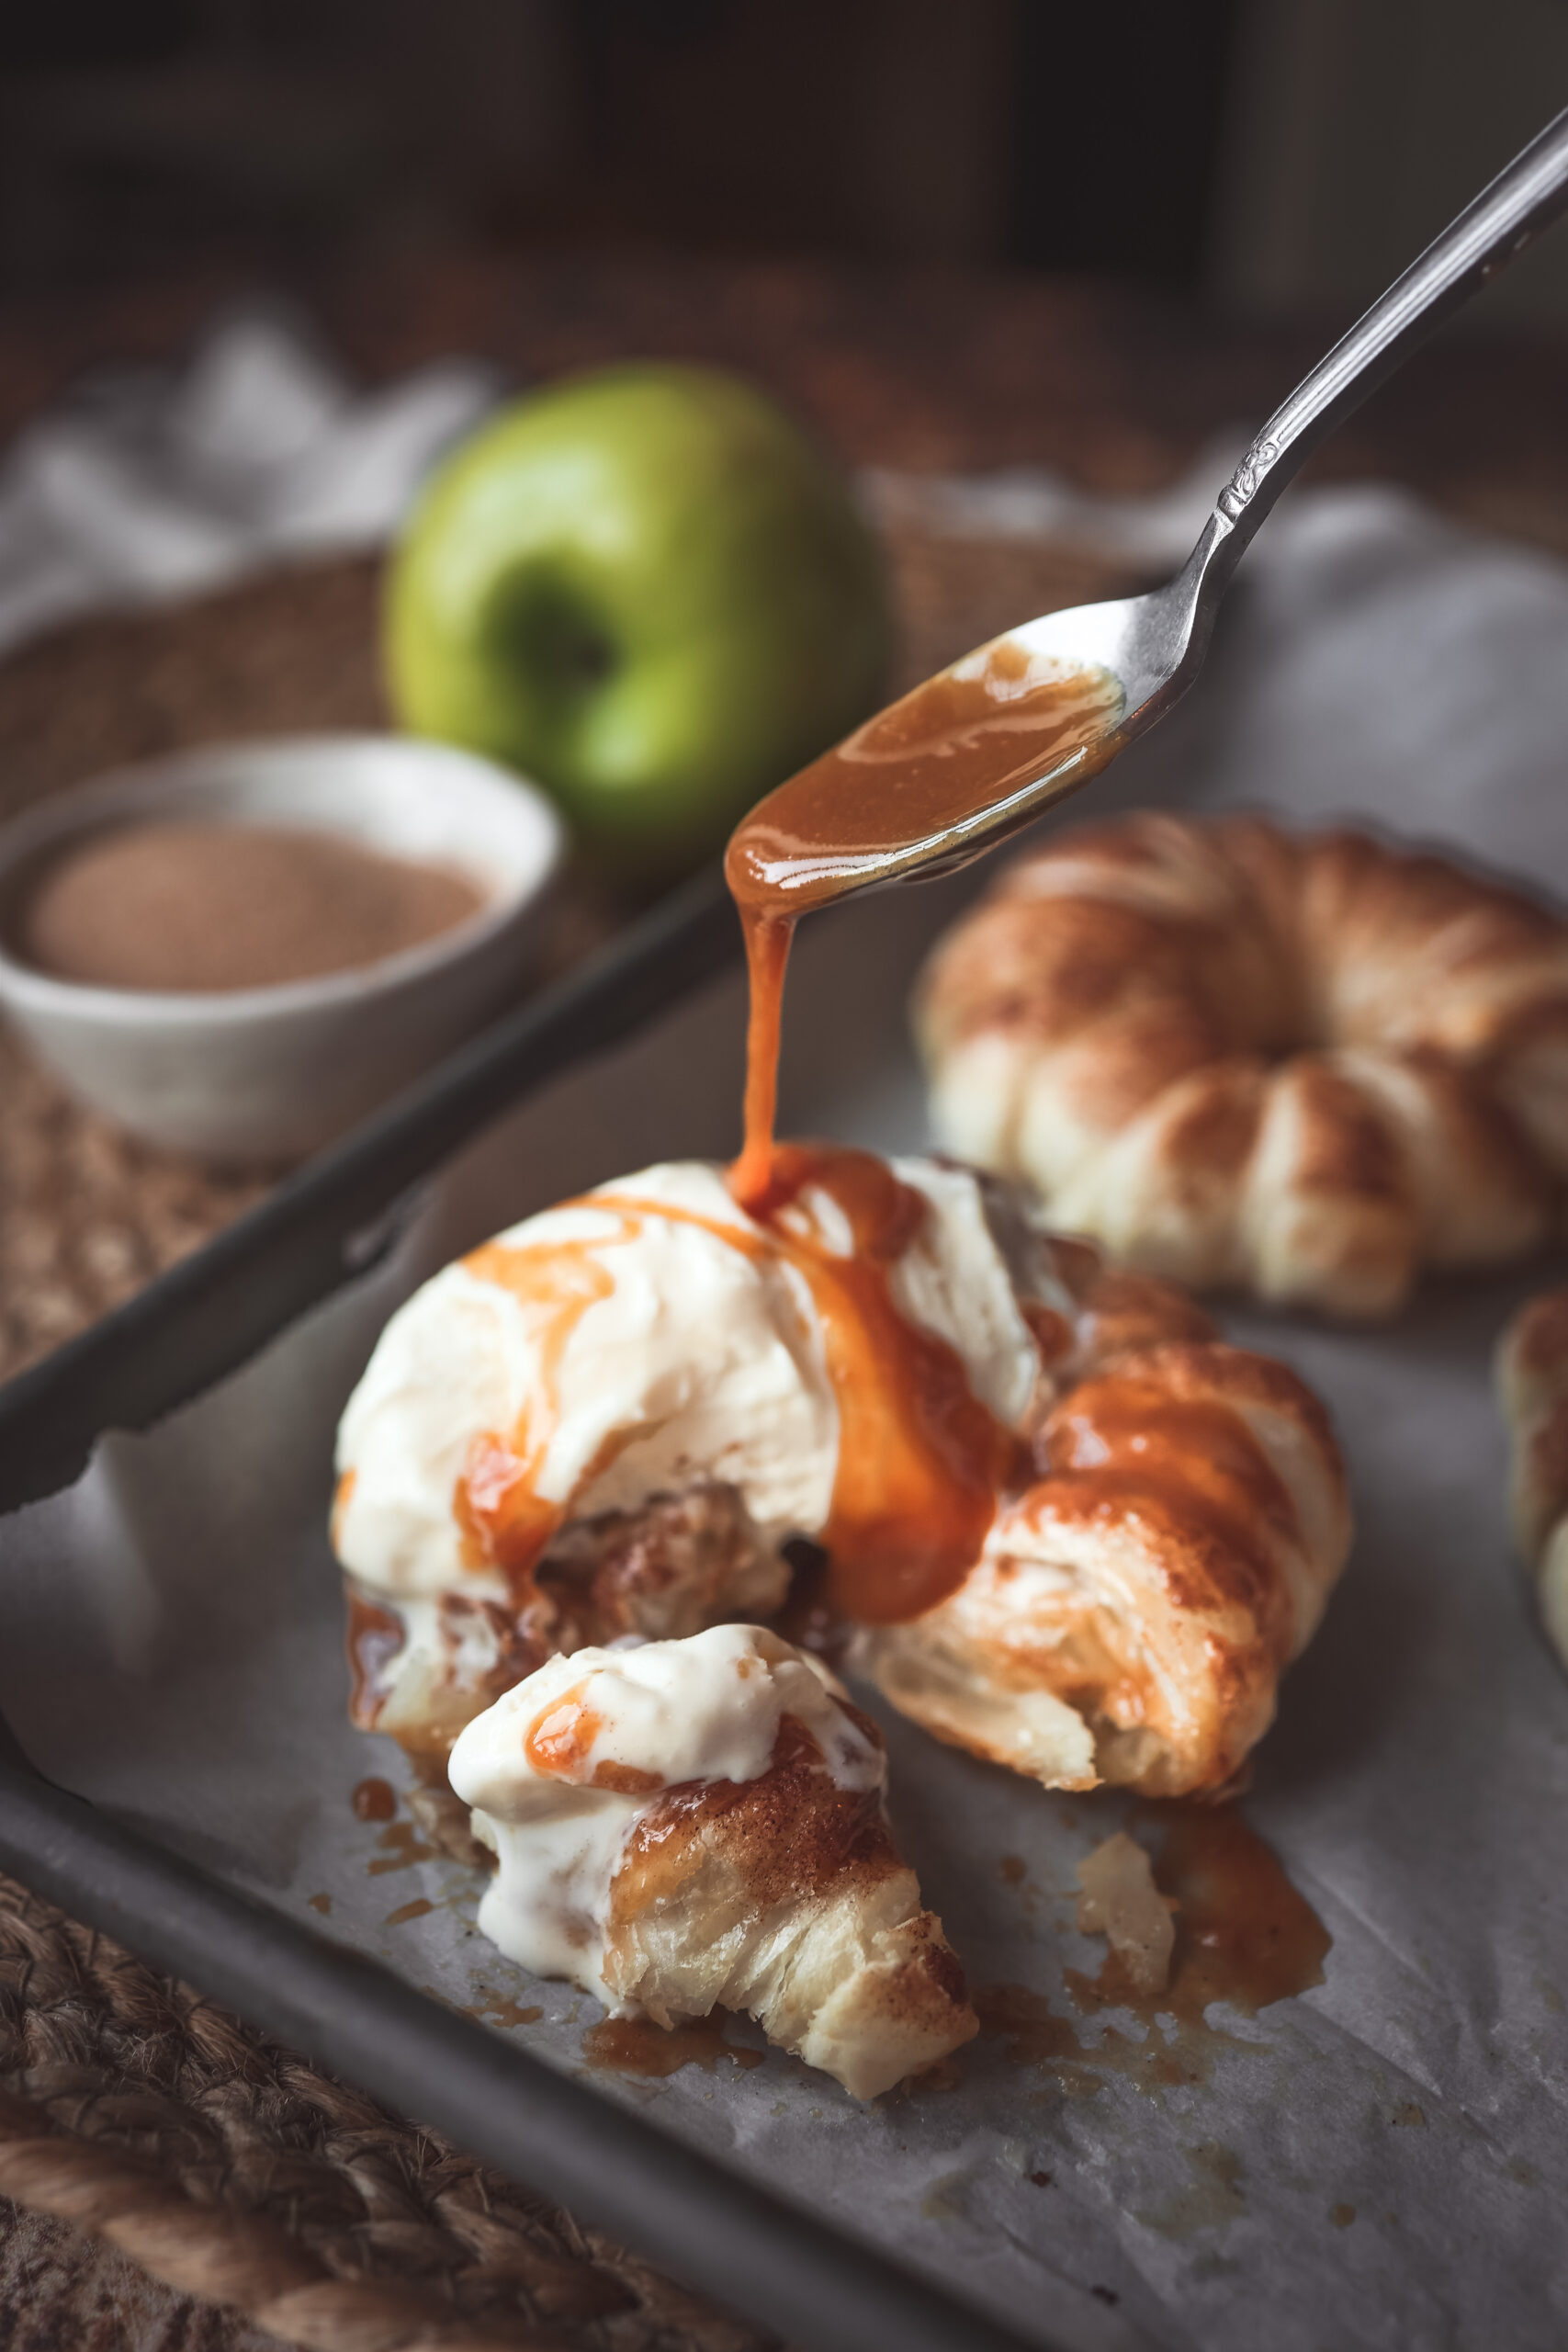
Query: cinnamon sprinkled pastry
point(1532, 1385)
point(1305, 1065)
point(699, 1823)
point(1133, 1609)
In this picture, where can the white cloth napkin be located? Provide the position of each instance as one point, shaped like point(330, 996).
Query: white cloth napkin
point(152, 483)
point(1377, 662)
point(1032, 503)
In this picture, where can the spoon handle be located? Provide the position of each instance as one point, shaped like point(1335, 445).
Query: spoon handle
point(1492, 228)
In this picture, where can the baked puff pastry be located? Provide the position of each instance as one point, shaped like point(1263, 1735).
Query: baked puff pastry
point(1133, 1609)
point(1304, 1065)
point(1532, 1387)
point(614, 1418)
point(699, 1823)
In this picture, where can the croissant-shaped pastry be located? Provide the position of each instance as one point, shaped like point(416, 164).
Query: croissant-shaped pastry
point(700, 1823)
point(1532, 1386)
point(1304, 1065)
point(1132, 1610)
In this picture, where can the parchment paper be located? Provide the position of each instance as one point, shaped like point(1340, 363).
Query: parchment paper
point(1380, 2163)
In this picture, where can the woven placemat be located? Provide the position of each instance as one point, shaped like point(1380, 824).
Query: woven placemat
point(242, 2177)
point(270, 2201)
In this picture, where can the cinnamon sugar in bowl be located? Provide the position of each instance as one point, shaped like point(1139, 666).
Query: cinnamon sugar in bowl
point(239, 952)
point(194, 907)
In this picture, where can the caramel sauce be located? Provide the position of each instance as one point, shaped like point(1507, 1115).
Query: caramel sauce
point(1244, 1935)
point(559, 1742)
point(500, 2008)
point(417, 1909)
point(1198, 1452)
point(768, 938)
point(921, 1459)
point(789, 1832)
point(957, 746)
point(556, 1743)
point(402, 1847)
point(374, 1800)
point(638, 2046)
point(505, 1524)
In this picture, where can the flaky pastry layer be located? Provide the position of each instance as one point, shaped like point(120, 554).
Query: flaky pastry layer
point(1303, 1065)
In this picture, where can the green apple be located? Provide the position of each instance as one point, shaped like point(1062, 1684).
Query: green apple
point(647, 590)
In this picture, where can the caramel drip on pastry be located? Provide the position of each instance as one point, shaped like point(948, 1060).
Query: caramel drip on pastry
point(505, 1522)
point(560, 1741)
point(1197, 1452)
point(791, 1832)
point(921, 1459)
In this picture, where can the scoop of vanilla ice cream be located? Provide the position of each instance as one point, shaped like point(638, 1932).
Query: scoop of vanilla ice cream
point(702, 1359)
point(667, 1713)
point(956, 1279)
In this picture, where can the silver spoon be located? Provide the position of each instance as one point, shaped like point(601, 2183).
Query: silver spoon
point(794, 852)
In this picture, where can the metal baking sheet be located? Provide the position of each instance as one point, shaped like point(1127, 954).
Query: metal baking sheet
point(1380, 2162)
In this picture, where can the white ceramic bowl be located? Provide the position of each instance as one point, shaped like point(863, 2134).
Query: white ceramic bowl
point(268, 1073)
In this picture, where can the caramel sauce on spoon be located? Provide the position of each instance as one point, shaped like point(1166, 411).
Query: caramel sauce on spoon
point(921, 1460)
point(909, 787)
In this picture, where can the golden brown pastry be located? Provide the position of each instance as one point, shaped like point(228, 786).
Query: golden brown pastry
point(1132, 1610)
point(1308, 1065)
point(1532, 1386)
point(700, 1823)
point(616, 1418)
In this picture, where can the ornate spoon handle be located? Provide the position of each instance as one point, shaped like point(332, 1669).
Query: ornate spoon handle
point(1486, 235)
